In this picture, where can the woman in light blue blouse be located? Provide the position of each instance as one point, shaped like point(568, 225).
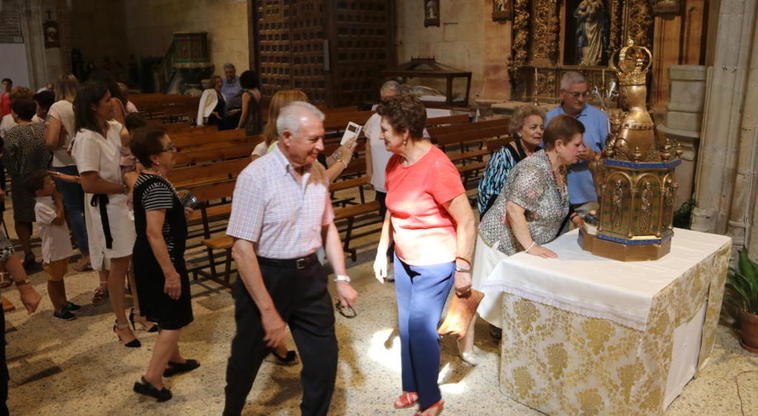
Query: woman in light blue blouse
point(526, 127)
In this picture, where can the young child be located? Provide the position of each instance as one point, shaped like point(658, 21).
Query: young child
point(56, 245)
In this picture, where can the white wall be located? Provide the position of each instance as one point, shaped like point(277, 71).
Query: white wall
point(13, 65)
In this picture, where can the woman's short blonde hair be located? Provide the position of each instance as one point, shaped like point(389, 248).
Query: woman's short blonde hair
point(65, 87)
point(278, 101)
point(520, 116)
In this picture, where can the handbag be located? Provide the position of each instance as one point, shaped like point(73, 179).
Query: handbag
point(460, 313)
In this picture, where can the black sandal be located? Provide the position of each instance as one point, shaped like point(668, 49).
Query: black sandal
point(149, 390)
point(289, 359)
point(178, 368)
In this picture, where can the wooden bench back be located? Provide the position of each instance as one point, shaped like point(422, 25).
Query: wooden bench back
point(501, 123)
point(203, 174)
point(469, 132)
point(447, 120)
point(234, 150)
point(184, 141)
point(214, 191)
point(158, 102)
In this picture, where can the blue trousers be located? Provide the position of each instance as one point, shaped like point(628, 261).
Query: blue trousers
point(421, 295)
point(73, 201)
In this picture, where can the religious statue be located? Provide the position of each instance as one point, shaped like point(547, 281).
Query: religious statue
point(646, 206)
point(618, 202)
point(501, 10)
point(431, 13)
point(591, 31)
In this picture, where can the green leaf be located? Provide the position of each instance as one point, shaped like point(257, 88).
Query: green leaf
point(742, 283)
point(746, 266)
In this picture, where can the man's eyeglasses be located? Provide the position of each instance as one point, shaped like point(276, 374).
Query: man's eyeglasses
point(584, 94)
point(346, 311)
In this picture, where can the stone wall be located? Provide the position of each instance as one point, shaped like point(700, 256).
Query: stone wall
point(119, 28)
point(150, 25)
point(467, 39)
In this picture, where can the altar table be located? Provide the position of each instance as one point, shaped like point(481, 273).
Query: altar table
point(586, 335)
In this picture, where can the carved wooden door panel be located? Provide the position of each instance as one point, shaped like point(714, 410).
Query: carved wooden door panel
point(333, 50)
point(361, 47)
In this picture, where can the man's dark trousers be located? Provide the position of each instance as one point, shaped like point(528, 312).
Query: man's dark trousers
point(301, 297)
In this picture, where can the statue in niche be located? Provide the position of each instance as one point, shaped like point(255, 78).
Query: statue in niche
point(617, 200)
point(431, 13)
point(501, 10)
point(591, 31)
point(646, 207)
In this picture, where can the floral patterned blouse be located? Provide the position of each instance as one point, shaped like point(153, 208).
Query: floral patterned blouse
point(531, 185)
point(496, 172)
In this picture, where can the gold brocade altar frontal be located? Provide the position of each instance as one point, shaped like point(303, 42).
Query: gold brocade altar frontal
point(565, 363)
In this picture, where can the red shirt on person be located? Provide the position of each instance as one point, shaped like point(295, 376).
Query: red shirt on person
point(422, 229)
point(5, 104)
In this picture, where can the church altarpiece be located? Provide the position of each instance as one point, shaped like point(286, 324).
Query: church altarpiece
point(550, 37)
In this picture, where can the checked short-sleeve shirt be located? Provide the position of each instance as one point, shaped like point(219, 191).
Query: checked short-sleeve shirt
point(270, 208)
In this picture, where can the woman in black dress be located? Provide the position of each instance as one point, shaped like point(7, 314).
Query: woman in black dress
point(161, 276)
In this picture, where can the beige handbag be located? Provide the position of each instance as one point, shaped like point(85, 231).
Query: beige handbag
point(460, 313)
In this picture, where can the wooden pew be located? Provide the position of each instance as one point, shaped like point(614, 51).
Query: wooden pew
point(351, 213)
point(461, 137)
point(447, 120)
point(167, 107)
point(232, 151)
point(194, 176)
point(186, 141)
point(215, 204)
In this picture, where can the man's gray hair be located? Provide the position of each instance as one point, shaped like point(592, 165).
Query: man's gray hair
point(570, 78)
point(390, 85)
point(290, 114)
point(229, 65)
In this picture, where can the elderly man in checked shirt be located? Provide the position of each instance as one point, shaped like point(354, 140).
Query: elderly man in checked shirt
point(282, 214)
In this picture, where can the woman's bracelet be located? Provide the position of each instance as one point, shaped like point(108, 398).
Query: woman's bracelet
point(534, 243)
point(464, 259)
point(22, 282)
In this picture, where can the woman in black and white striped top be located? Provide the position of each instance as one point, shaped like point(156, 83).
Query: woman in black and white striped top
point(160, 272)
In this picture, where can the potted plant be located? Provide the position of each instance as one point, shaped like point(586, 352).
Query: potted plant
point(742, 287)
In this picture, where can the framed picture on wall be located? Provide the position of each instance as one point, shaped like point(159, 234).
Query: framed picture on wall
point(501, 10)
point(431, 13)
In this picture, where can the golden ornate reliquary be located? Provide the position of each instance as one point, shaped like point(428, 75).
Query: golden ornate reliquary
point(634, 177)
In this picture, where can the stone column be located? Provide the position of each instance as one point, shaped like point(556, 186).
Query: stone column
point(722, 115)
point(741, 226)
point(684, 113)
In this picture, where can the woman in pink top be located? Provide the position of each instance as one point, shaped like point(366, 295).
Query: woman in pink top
point(431, 223)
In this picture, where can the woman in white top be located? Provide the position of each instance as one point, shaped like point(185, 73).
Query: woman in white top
point(59, 130)
point(377, 155)
point(339, 158)
point(110, 227)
